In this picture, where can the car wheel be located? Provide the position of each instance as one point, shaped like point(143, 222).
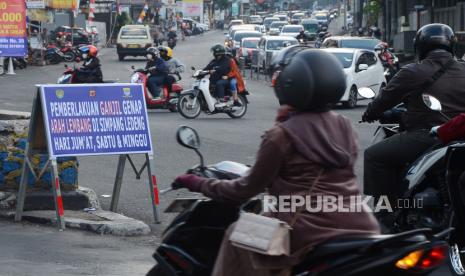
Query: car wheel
point(353, 98)
point(120, 57)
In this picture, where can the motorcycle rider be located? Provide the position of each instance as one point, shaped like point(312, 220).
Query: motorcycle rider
point(90, 71)
point(219, 68)
point(385, 161)
point(308, 145)
point(172, 36)
point(236, 82)
point(175, 67)
point(302, 36)
point(386, 58)
point(157, 69)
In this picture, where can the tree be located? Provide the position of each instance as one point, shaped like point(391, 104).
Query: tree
point(372, 10)
point(221, 4)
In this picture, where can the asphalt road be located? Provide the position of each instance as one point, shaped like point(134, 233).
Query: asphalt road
point(222, 137)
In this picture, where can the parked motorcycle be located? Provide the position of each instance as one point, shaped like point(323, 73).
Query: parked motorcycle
point(167, 101)
point(192, 241)
point(432, 181)
point(192, 102)
point(18, 63)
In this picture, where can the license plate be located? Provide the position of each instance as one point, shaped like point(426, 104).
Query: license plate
point(133, 46)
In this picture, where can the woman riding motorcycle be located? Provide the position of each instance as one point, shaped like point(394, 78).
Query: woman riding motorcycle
point(90, 71)
point(308, 144)
point(236, 82)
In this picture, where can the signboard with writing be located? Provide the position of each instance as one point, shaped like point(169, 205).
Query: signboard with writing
point(13, 37)
point(95, 119)
point(64, 4)
point(35, 4)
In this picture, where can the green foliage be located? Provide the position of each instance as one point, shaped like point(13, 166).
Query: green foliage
point(222, 4)
point(123, 19)
point(372, 10)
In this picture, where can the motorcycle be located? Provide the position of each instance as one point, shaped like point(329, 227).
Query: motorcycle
point(432, 181)
point(18, 62)
point(192, 241)
point(320, 38)
point(192, 102)
point(70, 76)
point(167, 101)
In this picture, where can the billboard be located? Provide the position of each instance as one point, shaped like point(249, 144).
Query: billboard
point(35, 4)
point(13, 36)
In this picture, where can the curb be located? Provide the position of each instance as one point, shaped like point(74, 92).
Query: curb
point(99, 221)
point(14, 115)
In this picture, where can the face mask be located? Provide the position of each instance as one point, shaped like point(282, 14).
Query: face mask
point(149, 56)
point(84, 56)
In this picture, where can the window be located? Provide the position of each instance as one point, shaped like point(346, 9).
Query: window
point(330, 43)
point(371, 59)
point(134, 33)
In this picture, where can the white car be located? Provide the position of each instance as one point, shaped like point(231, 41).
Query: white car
point(269, 46)
point(362, 69)
point(291, 30)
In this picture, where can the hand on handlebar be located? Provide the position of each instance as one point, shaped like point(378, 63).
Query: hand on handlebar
point(366, 118)
point(189, 181)
point(434, 131)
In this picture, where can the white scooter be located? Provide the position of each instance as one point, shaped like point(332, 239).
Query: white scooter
point(192, 102)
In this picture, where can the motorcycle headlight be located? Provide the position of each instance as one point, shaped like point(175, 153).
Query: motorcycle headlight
point(135, 78)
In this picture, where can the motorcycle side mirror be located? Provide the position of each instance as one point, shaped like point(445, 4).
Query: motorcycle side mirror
point(188, 137)
point(366, 92)
point(66, 65)
point(78, 59)
point(193, 68)
point(133, 68)
point(431, 102)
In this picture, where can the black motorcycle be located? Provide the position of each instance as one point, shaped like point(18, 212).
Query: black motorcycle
point(434, 197)
point(192, 241)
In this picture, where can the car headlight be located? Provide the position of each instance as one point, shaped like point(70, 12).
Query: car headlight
point(135, 78)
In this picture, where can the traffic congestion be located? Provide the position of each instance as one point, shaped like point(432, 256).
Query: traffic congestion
point(284, 142)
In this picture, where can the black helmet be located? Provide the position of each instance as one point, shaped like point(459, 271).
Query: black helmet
point(153, 51)
point(434, 36)
point(218, 50)
point(309, 79)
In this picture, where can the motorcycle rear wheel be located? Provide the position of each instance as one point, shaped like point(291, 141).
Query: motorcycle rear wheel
point(240, 112)
point(69, 56)
point(456, 253)
point(187, 109)
point(157, 270)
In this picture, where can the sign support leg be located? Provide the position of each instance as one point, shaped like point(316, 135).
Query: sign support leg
point(22, 187)
point(60, 212)
point(153, 187)
point(118, 182)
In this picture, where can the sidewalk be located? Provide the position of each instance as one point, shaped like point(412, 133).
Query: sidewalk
point(28, 249)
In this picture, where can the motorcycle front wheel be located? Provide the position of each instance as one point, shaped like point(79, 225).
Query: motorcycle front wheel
point(189, 106)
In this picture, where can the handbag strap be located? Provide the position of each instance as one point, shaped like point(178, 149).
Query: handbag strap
point(427, 84)
point(317, 178)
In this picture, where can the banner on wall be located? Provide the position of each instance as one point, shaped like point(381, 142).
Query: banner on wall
point(192, 8)
point(35, 4)
point(13, 36)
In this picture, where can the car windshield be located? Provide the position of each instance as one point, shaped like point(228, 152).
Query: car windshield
point(345, 59)
point(250, 44)
point(277, 24)
point(240, 36)
point(321, 17)
point(297, 16)
point(134, 33)
point(291, 29)
point(268, 21)
point(368, 44)
point(311, 27)
point(279, 44)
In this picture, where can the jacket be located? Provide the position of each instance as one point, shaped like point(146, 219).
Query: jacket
point(406, 86)
point(290, 157)
point(221, 67)
point(236, 73)
point(452, 130)
point(91, 71)
point(159, 67)
point(175, 66)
